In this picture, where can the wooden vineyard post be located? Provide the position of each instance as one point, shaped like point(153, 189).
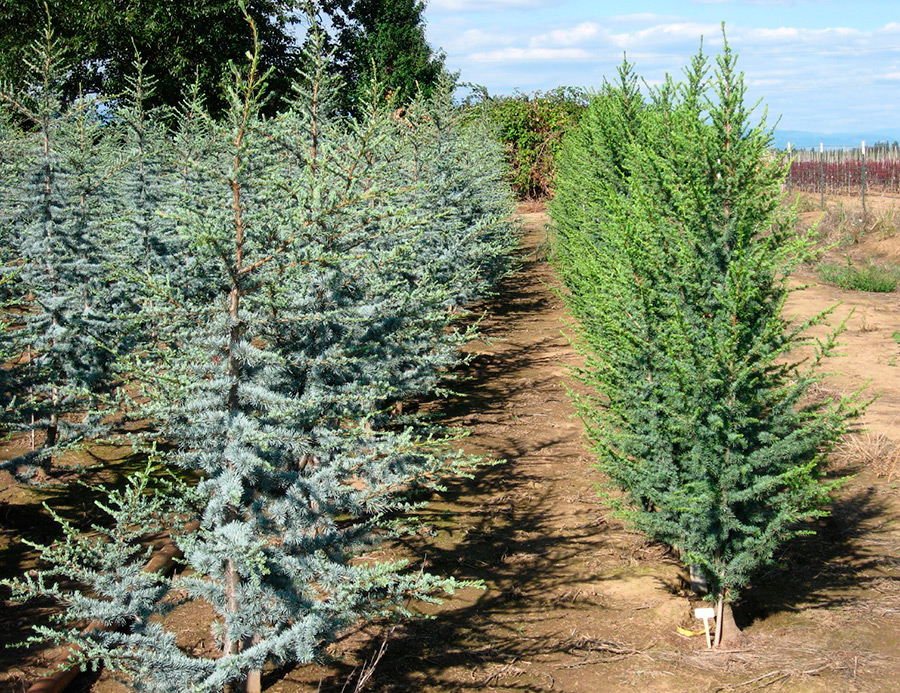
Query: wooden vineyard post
point(864, 180)
point(790, 171)
point(822, 173)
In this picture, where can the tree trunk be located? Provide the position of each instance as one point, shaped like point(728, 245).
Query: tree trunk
point(254, 676)
point(52, 431)
point(727, 632)
point(254, 682)
point(731, 634)
point(231, 646)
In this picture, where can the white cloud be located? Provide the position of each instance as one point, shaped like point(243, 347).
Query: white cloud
point(578, 34)
point(669, 33)
point(784, 33)
point(476, 5)
point(805, 36)
point(476, 38)
point(531, 54)
point(641, 17)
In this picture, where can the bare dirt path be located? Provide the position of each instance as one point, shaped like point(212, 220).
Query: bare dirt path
point(575, 602)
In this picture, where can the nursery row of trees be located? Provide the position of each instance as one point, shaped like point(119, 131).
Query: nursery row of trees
point(264, 292)
point(875, 169)
point(675, 252)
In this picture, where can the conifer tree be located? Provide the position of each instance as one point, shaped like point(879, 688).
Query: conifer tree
point(594, 169)
point(452, 243)
point(142, 175)
point(9, 387)
point(677, 260)
point(459, 166)
point(69, 329)
point(300, 235)
point(450, 175)
point(146, 255)
point(10, 293)
point(262, 410)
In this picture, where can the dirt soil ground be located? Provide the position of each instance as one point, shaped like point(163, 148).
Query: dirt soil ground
point(573, 600)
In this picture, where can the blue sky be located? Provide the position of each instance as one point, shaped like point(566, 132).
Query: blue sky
point(820, 65)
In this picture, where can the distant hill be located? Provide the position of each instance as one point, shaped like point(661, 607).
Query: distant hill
point(834, 140)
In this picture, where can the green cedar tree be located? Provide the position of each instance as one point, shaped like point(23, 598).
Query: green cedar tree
point(670, 238)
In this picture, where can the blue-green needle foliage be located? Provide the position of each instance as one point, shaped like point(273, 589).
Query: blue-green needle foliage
point(670, 239)
point(306, 303)
point(55, 207)
point(448, 174)
point(10, 291)
point(457, 169)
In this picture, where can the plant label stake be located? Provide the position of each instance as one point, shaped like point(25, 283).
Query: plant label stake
point(706, 614)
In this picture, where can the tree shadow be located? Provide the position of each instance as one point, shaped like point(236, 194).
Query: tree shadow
point(504, 526)
point(493, 528)
point(833, 567)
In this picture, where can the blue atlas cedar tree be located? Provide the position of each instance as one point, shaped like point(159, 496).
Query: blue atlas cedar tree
point(271, 351)
point(11, 295)
point(676, 254)
point(147, 255)
point(143, 238)
point(56, 214)
point(461, 176)
point(451, 182)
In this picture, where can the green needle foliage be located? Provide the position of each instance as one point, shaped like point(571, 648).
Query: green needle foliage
point(669, 238)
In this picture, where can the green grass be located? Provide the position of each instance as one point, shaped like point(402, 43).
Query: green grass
point(868, 277)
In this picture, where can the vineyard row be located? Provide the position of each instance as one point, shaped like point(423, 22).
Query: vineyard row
point(844, 171)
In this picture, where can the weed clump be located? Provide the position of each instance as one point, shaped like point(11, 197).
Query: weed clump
point(871, 276)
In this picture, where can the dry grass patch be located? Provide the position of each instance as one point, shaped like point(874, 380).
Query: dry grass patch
point(877, 453)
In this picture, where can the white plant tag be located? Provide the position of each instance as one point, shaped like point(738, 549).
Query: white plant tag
point(706, 613)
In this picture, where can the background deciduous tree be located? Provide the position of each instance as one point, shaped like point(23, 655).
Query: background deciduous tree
point(180, 42)
point(384, 40)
